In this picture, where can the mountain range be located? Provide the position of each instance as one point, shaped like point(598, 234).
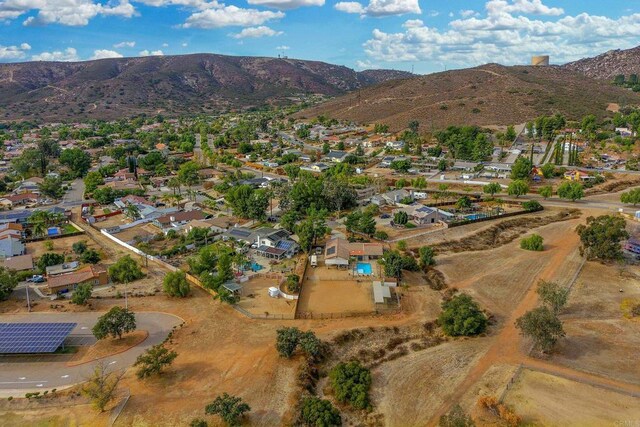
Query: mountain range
point(172, 85)
point(488, 95)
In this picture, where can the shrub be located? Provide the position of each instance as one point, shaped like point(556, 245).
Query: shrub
point(316, 412)
point(82, 294)
point(293, 283)
point(531, 205)
point(350, 382)
point(462, 316)
point(381, 235)
point(230, 408)
point(176, 285)
point(532, 243)
point(198, 422)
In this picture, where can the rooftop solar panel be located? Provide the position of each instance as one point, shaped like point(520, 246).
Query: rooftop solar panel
point(284, 244)
point(16, 338)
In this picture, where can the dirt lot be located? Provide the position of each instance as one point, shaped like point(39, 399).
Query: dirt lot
point(256, 299)
point(599, 338)
point(548, 400)
point(332, 291)
point(61, 245)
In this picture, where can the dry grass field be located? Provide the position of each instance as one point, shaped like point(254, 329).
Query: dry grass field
point(256, 300)
point(61, 245)
point(547, 400)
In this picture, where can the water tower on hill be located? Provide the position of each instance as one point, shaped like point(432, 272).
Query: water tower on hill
point(540, 61)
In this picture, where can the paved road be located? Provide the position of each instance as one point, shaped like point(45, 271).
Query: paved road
point(20, 374)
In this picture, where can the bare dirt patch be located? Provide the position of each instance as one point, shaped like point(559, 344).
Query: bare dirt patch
point(256, 300)
point(61, 245)
point(547, 400)
point(613, 186)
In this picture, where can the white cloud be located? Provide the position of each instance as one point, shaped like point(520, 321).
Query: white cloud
point(151, 53)
point(67, 55)
point(105, 53)
point(14, 52)
point(380, 7)
point(468, 13)
point(185, 44)
point(124, 44)
point(506, 34)
point(283, 48)
point(530, 7)
point(64, 12)
point(228, 16)
point(366, 65)
point(256, 32)
point(165, 44)
point(198, 4)
point(286, 4)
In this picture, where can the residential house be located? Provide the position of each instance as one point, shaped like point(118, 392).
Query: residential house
point(94, 275)
point(393, 197)
point(269, 242)
point(339, 252)
point(58, 269)
point(394, 145)
point(336, 156)
point(19, 199)
point(11, 246)
point(423, 215)
point(177, 220)
point(316, 167)
point(18, 263)
point(12, 229)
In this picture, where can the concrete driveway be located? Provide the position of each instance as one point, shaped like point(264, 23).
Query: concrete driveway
point(20, 374)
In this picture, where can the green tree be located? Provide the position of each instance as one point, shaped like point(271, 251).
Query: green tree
point(601, 237)
point(492, 188)
point(293, 283)
point(401, 166)
point(461, 316)
point(79, 247)
point(8, 283)
point(456, 418)
point(154, 361)
point(571, 190)
point(125, 270)
point(553, 295)
point(90, 256)
point(51, 187)
point(532, 243)
point(77, 160)
point(188, 174)
point(426, 257)
point(510, 135)
point(543, 326)
point(546, 191)
point(316, 412)
point(350, 382)
point(463, 203)
point(92, 181)
point(114, 323)
point(517, 188)
point(230, 408)
point(631, 197)
point(402, 245)
point(175, 284)
point(81, 294)
point(48, 259)
point(312, 228)
point(400, 218)
point(521, 169)
point(287, 340)
point(101, 386)
point(393, 264)
point(548, 169)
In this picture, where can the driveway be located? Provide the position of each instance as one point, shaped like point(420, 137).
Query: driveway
point(20, 374)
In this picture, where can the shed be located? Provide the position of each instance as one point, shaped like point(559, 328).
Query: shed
point(233, 287)
point(380, 292)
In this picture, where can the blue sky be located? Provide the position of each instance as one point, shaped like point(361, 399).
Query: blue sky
point(427, 35)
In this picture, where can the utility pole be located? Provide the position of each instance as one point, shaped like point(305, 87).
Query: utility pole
point(126, 300)
point(28, 301)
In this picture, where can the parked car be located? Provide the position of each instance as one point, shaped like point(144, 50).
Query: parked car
point(385, 216)
point(318, 250)
point(36, 278)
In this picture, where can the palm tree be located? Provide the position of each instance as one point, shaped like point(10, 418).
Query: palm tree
point(38, 229)
point(166, 198)
point(175, 184)
point(132, 211)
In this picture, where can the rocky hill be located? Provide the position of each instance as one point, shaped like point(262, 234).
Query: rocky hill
point(189, 84)
point(609, 64)
point(488, 95)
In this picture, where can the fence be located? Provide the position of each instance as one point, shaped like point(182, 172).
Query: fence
point(343, 315)
point(265, 316)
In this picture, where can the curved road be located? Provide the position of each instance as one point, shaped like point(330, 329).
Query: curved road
point(20, 374)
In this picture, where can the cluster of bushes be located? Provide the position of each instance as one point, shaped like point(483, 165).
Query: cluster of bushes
point(288, 340)
point(532, 243)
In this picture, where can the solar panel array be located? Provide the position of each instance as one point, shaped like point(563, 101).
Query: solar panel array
point(16, 338)
point(284, 244)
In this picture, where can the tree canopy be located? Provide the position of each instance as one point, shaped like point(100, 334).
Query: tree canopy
point(350, 382)
point(114, 323)
point(125, 270)
point(230, 408)
point(461, 316)
point(175, 284)
point(601, 237)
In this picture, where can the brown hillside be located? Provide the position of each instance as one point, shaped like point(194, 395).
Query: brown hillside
point(609, 64)
point(172, 85)
point(487, 95)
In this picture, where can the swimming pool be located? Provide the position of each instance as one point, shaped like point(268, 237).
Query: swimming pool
point(256, 267)
point(473, 217)
point(364, 268)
